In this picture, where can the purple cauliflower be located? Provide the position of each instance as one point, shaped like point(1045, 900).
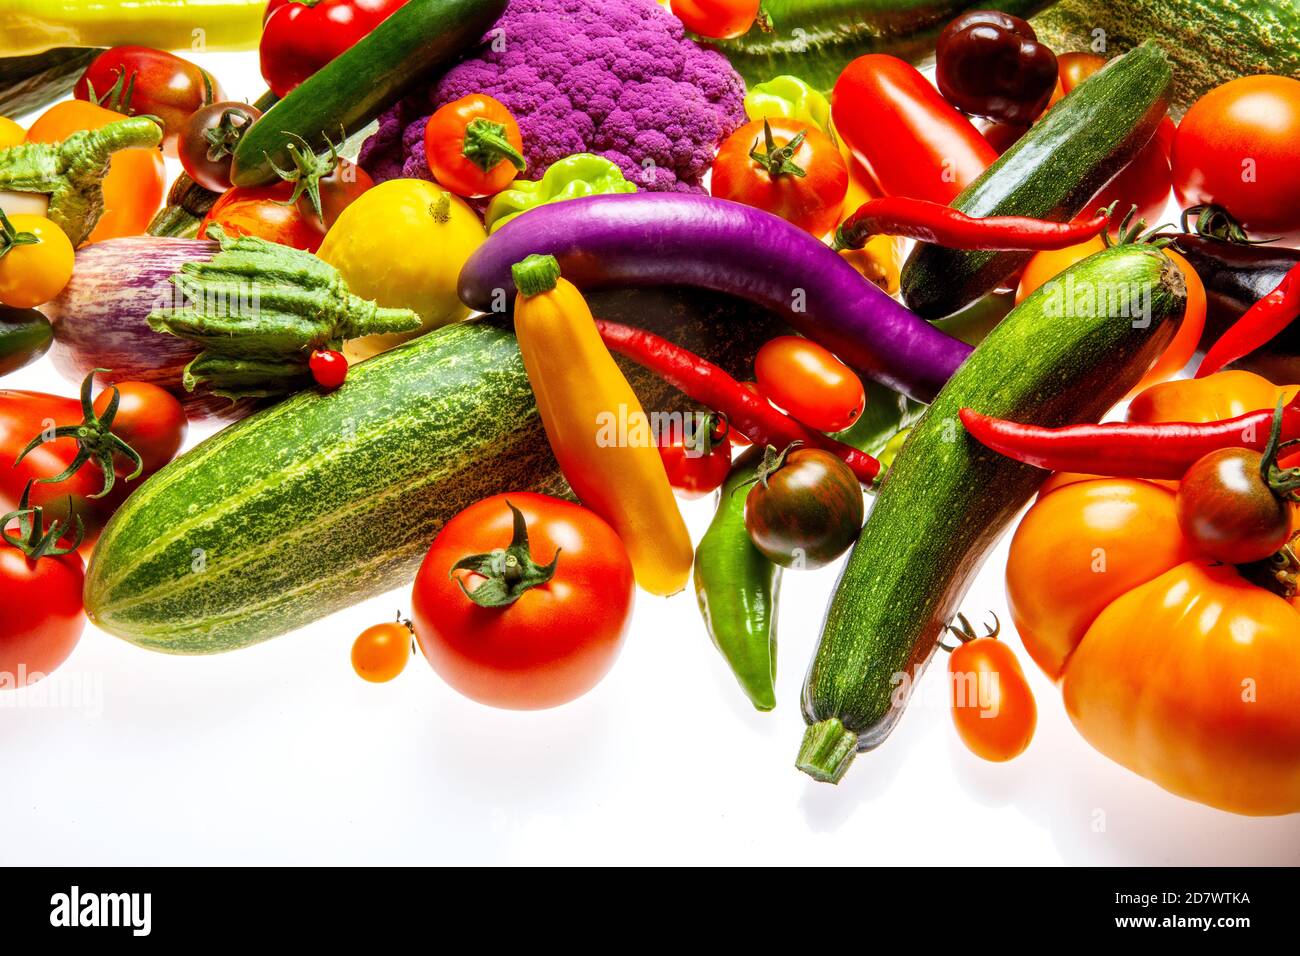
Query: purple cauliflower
point(614, 77)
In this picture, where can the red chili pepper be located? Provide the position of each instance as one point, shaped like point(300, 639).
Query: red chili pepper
point(1157, 450)
point(1257, 325)
point(301, 36)
point(709, 385)
point(944, 226)
point(328, 367)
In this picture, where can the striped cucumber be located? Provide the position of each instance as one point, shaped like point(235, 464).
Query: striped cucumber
point(1065, 355)
point(1209, 41)
point(1050, 173)
point(326, 499)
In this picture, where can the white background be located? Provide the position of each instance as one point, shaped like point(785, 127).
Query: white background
point(280, 754)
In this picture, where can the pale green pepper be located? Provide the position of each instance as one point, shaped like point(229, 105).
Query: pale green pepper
point(788, 97)
point(576, 176)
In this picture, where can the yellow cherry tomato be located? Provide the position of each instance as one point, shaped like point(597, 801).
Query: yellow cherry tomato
point(35, 260)
point(380, 652)
point(402, 244)
point(11, 134)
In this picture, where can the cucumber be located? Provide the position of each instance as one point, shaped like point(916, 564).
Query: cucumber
point(1209, 41)
point(816, 39)
point(362, 82)
point(946, 499)
point(326, 499)
point(1050, 173)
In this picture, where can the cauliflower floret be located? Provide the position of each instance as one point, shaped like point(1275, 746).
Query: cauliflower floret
point(614, 77)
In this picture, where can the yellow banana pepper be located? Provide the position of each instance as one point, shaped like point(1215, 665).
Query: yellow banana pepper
point(598, 430)
point(34, 26)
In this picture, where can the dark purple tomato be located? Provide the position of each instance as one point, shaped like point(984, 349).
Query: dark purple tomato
point(805, 510)
point(1227, 510)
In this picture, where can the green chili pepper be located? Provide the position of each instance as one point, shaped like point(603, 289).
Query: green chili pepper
point(72, 172)
point(736, 588)
point(576, 176)
point(789, 97)
point(259, 309)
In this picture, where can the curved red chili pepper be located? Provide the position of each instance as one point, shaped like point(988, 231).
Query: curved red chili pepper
point(1158, 450)
point(706, 383)
point(1257, 325)
point(945, 226)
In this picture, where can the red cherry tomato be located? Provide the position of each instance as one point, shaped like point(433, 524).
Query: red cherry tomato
point(716, 19)
point(557, 639)
point(328, 367)
point(262, 211)
point(810, 383)
point(992, 705)
point(42, 619)
point(785, 167)
point(697, 463)
point(1236, 147)
point(380, 652)
point(473, 146)
point(138, 80)
point(149, 419)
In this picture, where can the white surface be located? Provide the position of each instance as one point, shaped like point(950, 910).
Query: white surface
point(280, 754)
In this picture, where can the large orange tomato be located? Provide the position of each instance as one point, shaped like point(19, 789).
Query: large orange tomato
point(133, 188)
point(1179, 668)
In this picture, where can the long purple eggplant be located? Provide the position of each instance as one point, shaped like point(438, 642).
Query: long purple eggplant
point(100, 319)
point(673, 238)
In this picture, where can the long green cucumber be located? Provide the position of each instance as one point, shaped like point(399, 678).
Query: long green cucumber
point(815, 39)
point(360, 83)
point(1209, 41)
point(1065, 355)
point(1050, 173)
point(326, 499)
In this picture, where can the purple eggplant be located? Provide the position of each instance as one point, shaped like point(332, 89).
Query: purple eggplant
point(100, 319)
point(675, 238)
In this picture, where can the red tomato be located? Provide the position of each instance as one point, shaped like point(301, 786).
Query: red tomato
point(697, 464)
point(262, 211)
point(785, 167)
point(380, 652)
point(912, 141)
point(149, 419)
point(809, 383)
point(138, 80)
point(716, 19)
point(42, 619)
point(23, 416)
point(1236, 147)
point(339, 189)
point(558, 638)
point(992, 705)
point(473, 146)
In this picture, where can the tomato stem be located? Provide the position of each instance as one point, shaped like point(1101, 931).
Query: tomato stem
point(10, 237)
point(308, 170)
point(486, 146)
point(508, 572)
point(778, 160)
point(1283, 482)
point(33, 539)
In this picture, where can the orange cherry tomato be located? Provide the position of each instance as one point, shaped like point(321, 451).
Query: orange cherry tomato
point(381, 651)
point(1051, 263)
point(993, 708)
point(809, 383)
point(265, 212)
point(473, 146)
point(136, 180)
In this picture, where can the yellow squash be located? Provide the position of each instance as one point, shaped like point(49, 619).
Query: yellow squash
point(598, 430)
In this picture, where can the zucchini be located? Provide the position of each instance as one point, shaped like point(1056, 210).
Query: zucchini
point(362, 82)
point(28, 83)
point(1050, 173)
point(815, 39)
point(946, 499)
point(1209, 41)
point(326, 499)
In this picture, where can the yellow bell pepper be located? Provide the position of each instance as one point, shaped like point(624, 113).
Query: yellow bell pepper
point(598, 430)
point(402, 244)
point(34, 26)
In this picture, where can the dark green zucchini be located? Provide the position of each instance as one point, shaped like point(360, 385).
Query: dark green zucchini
point(1050, 173)
point(29, 82)
point(1065, 355)
point(329, 498)
point(359, 84)
point(816, 39)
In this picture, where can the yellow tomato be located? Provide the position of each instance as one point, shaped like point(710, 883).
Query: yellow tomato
point(402, 244)
point(35, 261)
point(11, 134)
